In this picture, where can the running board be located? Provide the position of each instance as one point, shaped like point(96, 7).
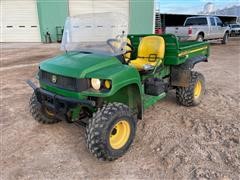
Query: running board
point(151, 100)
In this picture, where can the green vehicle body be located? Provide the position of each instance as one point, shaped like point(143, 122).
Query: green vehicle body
point(126, 81)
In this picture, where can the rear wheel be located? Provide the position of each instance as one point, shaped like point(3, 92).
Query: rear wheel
point(193, 94)
point(225, 38)
point(40, 113)
point(111, 131)
point(200, 38)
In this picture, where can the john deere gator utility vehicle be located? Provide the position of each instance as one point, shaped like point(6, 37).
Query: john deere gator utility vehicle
point(107, 78)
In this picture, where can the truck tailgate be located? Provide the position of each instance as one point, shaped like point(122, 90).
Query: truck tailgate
point(178, 30)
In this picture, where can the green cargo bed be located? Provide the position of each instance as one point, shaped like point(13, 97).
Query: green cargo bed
point(176, 52)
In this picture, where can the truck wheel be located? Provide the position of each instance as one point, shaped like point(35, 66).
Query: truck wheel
point(225, 38)
point(40, 114)
point(200, 38)
point(192, 95)
point(111, 131)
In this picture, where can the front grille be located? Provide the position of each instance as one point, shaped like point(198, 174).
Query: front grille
point(63, 82)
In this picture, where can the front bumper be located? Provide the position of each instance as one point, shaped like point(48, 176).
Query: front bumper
point(57, 104)
point(235, 32)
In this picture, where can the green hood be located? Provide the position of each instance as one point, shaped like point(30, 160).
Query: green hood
point(77, 65)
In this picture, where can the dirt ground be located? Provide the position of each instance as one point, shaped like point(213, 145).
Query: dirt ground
point(172, 142)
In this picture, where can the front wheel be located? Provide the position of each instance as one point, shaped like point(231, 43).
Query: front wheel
point(193, 94)
point(111, 131)
point(225, 38)
point(40, 113)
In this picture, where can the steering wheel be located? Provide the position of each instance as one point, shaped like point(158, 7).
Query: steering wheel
point(131, 48)
point(116, 40)
point(111, 42)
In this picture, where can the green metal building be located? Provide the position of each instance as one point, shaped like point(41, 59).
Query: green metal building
point(32, 20)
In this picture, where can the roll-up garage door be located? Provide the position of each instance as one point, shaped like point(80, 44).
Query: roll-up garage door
point(77, 7)
point(19, 22)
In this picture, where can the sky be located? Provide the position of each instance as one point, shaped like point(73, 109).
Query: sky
point(191, 6)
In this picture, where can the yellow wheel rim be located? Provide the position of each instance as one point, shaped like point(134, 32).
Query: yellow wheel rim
point(119, 134)
point(49, 112)
point(197, 89)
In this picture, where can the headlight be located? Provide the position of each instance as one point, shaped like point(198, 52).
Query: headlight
point(107, 84)
point(96, 83)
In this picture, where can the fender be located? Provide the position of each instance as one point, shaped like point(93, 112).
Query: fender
point(126, 87)
point(191, 62)
point(120, 76)
point(130, 95)
point(181, 74)
point(201, 31)
point(226, 31)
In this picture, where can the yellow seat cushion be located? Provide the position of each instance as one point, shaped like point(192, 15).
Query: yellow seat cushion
point(140, 62)
point(149, 46)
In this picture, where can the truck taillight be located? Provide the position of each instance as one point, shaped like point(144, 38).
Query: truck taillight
point(189, 30)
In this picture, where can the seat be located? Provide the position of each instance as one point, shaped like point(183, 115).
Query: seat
point(151, 52)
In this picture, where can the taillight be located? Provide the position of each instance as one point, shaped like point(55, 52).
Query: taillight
point(189, 30)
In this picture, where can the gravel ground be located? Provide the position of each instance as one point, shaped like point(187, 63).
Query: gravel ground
point(172, 142)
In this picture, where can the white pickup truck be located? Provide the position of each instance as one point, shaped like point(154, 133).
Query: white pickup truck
point(201, 28)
